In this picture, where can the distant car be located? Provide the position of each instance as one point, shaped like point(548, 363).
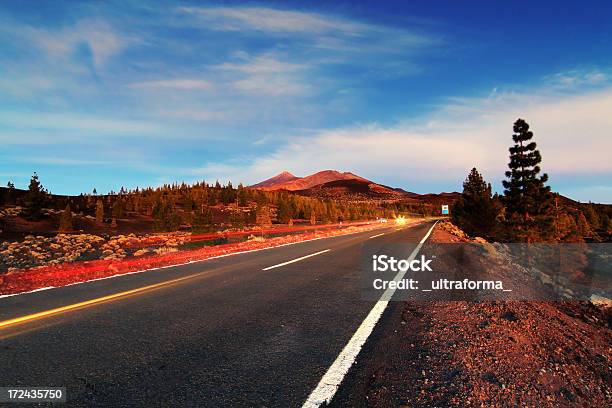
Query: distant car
point(382, 220)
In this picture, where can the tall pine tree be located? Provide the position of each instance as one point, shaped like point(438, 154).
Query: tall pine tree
point(527, 198)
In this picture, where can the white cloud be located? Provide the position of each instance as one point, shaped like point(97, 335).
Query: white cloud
point(324, 31)
point(25, 87)
point(182, 84)
point(214, 171)
point(67, 122)
point(263, 64)
point(198, 115)
point(572, 132)
point(266, 74)
point(103, 41)
point(273, 85)
point(271, 20)
point(306, 45)
point(578, 78)
point(63, 161)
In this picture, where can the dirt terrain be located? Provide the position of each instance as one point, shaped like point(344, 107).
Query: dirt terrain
point(67, 259)
point(487, 354)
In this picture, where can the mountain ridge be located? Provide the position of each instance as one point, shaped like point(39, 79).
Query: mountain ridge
point(287, 181)
point(280, 178)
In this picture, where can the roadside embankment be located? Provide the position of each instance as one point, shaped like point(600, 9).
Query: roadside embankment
point(484, 353)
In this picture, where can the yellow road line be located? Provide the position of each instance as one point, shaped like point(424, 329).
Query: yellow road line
point(68, 308)
point(28, 318)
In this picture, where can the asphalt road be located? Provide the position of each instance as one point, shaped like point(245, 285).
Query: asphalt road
point(231, 335)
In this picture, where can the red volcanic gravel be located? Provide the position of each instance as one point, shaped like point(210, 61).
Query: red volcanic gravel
point(487, 354)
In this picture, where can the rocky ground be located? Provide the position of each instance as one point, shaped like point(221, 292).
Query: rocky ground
point(35, 251)
point(31, 244)
point(485, 354)
point(39, 251)
point(66, 259)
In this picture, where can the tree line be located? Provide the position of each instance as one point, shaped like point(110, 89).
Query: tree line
point(527, 211)
point(200, 206)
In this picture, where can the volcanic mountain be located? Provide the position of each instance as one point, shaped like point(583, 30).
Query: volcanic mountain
point(346, 186)
point(330, 184)
point(287, 181)
point(279, 179)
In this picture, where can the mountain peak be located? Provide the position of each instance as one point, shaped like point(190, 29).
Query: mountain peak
point(272, 182)
point(287, 181)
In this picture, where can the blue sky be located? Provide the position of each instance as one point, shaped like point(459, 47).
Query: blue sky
point(409, 94)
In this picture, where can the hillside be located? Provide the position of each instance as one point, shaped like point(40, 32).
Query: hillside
point(279, 179)
point(485, 353)
point(289, 182)
point(438, 199)
point(352, 189)
point(346, 186)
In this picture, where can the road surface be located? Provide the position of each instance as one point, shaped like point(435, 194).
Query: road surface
point(253, 329)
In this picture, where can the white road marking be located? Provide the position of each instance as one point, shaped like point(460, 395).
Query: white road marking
point(426, 290)
point(295, 260)
point(377, 235)
point(327, 387)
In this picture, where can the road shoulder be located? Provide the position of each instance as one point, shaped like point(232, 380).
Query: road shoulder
point(445, 353)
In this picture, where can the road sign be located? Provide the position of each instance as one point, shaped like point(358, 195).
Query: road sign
point(445, 209)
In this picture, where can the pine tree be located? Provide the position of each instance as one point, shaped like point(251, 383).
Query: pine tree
point(118, 208)
point(263, 218)
point(475, 211)
point(591, 215)
point(10, 193)
point(584, 229)
point(283, 214)
point(65, 224)
point(100, 211)
point(242, 196)
point(528, 200)
point(34, 199)
point(212, 198)
point(166, 218)
point(604, 221)
point(202, 221)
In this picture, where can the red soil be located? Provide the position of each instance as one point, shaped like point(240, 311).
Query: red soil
point(488, 354)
